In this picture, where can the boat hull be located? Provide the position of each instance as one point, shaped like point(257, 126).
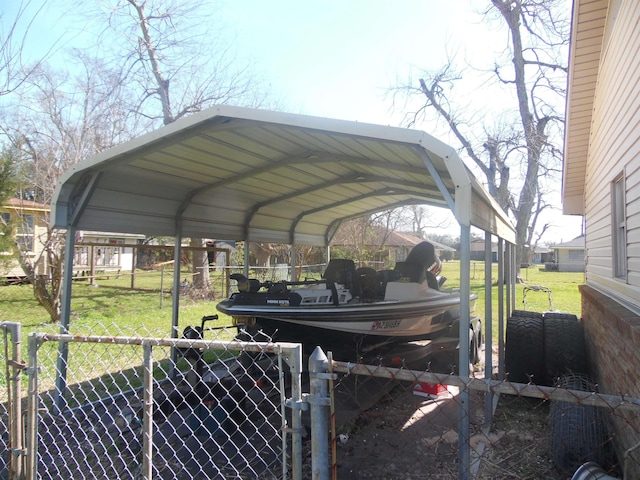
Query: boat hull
point(355, 324)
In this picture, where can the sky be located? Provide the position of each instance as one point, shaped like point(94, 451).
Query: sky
point(338, 58)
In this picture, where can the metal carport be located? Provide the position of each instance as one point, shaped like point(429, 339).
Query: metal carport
point(242, 174)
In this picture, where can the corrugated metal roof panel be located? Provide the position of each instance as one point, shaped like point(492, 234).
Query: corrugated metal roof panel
point(235, 174)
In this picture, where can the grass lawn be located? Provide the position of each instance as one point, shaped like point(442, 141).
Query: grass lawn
point(109, 309)
point(112, 309)
point(565, 295)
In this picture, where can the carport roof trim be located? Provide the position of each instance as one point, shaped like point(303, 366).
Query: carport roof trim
point(283, 178)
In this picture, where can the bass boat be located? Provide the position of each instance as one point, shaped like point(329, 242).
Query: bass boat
point(352, 306)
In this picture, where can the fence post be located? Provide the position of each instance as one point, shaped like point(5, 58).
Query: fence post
point(147, 419)
point(32, 408)
point(16, 446)
point(319, 406)
point(294, 360)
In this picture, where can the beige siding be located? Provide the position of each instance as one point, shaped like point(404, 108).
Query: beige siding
point(615, 148)
point(13, 269)
point(570, 260)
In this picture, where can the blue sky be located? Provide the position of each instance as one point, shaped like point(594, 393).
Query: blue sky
point(324, 57)
point(337, 58)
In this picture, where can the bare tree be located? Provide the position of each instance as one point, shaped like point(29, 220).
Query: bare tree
point(534, 73)
point(13, 37)
point(170, 68)
point(59, 120)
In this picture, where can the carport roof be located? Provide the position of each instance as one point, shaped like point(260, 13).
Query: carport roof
point(243, 174)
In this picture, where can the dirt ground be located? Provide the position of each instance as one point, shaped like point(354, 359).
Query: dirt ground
point(387, 432)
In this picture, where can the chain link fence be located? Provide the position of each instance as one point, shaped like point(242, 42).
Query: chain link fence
point(399, 423)
point(222, 410)
point(143, 407)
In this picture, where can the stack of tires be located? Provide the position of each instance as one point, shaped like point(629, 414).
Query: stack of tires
point(540, 347)
point(549, 349)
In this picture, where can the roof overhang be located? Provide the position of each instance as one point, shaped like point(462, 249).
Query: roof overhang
point(242, 174)
point(587, 36)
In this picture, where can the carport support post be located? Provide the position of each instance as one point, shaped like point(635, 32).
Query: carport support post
point(60, 404)
point(175, 305)
point(464, 456)
point(488, 324)
point(501, 305)
point(318, 399)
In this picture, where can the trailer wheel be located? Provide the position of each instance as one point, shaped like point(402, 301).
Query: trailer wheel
point(524, 348)
point(448, 361)
point(564, 349)
point(475, 347)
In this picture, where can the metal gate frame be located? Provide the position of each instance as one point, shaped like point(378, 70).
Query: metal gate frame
point(24, 453)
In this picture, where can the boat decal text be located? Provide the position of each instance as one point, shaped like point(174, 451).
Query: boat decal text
point(385, 324)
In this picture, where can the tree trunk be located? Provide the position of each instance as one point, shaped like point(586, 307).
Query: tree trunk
point(46, 288)
point(200, 267)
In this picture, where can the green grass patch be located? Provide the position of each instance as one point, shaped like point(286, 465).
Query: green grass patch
point(113, 309)
point(565, 295)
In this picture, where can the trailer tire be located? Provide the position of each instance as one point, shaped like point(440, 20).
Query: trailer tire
point(475, 349)
point(560, 316)
point(564, 348)
point(526, 314)
point(524, 348)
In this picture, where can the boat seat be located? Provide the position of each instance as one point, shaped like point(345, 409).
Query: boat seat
point(385, 276)
point(369, 282)
point(343, 271)
point(411, 272)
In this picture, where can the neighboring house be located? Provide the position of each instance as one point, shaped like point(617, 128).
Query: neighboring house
point(570, 255)
point(601, 180)
point(30, 221)
point(539, 255)
point(542, 254)
point(395, 245)
point(92, 250)
point(477, 250)
point(109, 251)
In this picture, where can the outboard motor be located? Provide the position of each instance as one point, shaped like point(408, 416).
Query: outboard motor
point(422, 263)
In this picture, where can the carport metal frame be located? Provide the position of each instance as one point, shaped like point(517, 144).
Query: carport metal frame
point(253, 175)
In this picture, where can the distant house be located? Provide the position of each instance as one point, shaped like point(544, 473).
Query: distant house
point(29, 220)
point(477, 250)
point(95, 250)
point(104, 251)
point(395, 245)
point(570, 255)
point(542, 254)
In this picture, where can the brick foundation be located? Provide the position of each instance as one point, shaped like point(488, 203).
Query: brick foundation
point(612, 335)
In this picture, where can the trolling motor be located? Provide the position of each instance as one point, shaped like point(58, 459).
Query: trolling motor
point(194, 355)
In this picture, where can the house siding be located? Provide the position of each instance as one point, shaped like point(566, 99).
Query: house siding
point(614, 149)
point(610, 307)
point(13, 268)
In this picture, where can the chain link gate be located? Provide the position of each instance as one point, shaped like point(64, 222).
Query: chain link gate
point(128, 411)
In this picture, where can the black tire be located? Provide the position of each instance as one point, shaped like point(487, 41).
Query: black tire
point(560, 316)
point(564, 349)
point(524, 349)
point(577, 432)
point(526, 314)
